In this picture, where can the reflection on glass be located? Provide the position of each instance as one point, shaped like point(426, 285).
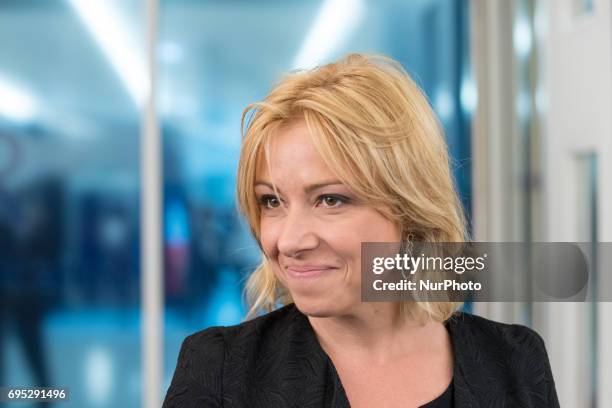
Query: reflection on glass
point(69, 127)
point(582, 7)
point(586, 229)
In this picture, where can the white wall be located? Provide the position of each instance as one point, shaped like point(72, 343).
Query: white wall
point(575, 62)
point(572, 78)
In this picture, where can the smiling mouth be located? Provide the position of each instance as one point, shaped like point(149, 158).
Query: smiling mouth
point(308, 271)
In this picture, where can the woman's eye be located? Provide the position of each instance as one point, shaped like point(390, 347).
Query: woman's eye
point(269, 201)
point(332, 201)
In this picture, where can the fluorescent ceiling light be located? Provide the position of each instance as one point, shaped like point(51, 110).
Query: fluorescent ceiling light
point(336, 20)
point(443, 104)
point(170, 52)
point(469, 94)
point(522, 37)
point(117, 41)
point(15, 102)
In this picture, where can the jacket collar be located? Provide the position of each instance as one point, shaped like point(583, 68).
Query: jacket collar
point(460, 339)
point(334, 395)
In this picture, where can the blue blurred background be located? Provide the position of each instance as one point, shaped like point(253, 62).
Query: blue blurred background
point(531, 148)
point(530, 145)
point(69, 162)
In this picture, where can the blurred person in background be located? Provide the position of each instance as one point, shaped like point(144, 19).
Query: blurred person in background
point(30, 262)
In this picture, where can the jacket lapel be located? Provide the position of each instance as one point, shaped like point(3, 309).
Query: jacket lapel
point(313, 381)
point(310, 378)
point(464, 384)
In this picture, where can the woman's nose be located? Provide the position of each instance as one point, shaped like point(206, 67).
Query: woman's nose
point(297, 233)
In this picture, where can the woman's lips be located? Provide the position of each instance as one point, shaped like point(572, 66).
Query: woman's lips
point(308, 271)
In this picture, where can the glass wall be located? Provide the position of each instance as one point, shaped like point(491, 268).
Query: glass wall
point(586, 226)
point(72, 76)
point(216, 57)
point(69, 208)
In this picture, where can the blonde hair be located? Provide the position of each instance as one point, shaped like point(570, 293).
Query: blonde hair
point(375, 129)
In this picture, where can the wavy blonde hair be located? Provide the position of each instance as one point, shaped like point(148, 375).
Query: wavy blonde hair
point(375, 129)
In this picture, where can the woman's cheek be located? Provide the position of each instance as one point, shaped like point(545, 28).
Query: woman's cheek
point(265, 237)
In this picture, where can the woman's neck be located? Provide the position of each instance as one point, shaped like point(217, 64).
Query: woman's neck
point(376, 332)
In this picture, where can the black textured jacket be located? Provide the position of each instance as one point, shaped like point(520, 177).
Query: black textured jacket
point(276, 361)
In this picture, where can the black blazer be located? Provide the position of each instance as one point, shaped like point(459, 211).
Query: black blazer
point(276, 361)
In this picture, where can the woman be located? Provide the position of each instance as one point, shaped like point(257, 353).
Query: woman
point(348, 153)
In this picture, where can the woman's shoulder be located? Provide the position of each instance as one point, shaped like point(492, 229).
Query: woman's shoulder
point(209, 355)
point(272, 325)
point(489, 332)
point(269, 330)
point(495, 359)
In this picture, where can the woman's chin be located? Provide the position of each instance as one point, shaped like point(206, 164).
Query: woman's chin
point(315, 307)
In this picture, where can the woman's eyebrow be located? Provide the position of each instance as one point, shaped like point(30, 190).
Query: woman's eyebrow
point(308, 189)
point(317, 186)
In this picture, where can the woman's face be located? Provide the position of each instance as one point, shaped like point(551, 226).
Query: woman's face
point(312, 232)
